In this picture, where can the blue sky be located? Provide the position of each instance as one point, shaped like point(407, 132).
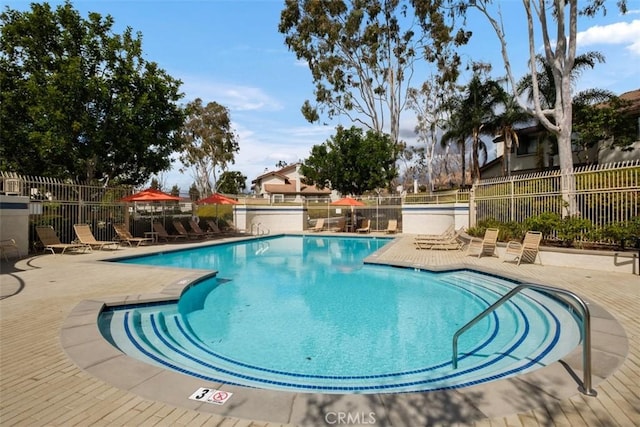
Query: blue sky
point(231, 52)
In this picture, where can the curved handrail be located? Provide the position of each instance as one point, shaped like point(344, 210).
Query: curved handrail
point(586, 328)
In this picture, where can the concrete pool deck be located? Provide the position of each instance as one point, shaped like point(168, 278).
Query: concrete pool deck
point(54, 370)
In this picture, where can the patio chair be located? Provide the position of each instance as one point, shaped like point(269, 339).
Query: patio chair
point(449, 232)
point(125, 236)
point(162, 233)
point(195, 229)
point(392, 226)
point(365, 226)
point(213, 227)
point(526, 251)
point(486, 245)
point(319, 225)
point(453, 242)
point(85, 236)
point(51, 242)
point(9, 245)
point(183, 231)
point(340, 226)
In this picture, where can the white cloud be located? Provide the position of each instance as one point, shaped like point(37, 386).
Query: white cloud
point(235, 97)
point(620, 33)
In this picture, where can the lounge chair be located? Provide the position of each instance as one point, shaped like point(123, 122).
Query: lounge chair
point(162, 233)
point(125, 236)
point(195, 229)
point(51, 242)
point(85, 236)
point(392, 226)
point(449, 232)
point(183, 231)
point(9, 245)
point(319, 225)
point(340, 226)
point(213, 227)
point(486, 245)
point(365, 226)
point(453, 242)
point(526, 251)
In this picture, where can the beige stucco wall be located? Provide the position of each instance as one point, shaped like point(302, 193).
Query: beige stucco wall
point(14, 222)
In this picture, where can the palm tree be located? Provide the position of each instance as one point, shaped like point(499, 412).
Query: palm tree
point(472, 114)
point(546, 84)
point(503, 126)
point(455, 131)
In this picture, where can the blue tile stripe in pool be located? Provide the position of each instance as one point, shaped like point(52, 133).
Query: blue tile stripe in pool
point(339, 388)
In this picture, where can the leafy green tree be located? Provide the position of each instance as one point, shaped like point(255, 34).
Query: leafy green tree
point(361, 55)
point(79, 101)
point(194, 193)
point(209, 142)
point(352, 162)
point(602, 116)
point(232, 182)
point(175, 191)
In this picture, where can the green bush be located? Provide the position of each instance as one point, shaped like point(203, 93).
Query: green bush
point(622, 233)
point(571, 228)
point(546, 223)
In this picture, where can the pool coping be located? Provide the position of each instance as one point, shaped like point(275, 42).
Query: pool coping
point(84, 344)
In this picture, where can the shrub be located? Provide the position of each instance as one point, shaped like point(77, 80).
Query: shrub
point(546, 223)
point(622, 233)
point(571, 228)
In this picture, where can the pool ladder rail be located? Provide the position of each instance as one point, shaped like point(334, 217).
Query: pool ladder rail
point(259, 231)
point(585, 388)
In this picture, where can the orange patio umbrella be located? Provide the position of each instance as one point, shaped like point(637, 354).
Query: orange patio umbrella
point(348, 201)
point(217, 199)
point(150, 195)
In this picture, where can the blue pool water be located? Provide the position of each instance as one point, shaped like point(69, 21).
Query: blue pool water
point(306, 314)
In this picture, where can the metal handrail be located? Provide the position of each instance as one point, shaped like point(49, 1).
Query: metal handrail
point(586, 329)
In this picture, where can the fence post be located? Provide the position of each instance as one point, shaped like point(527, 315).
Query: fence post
point(472, 205)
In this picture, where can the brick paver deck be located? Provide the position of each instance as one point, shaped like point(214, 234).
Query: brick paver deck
point(41, 386)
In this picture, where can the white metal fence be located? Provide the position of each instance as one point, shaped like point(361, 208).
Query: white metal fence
point(605, 194)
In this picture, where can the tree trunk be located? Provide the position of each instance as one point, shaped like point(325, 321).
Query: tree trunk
point(568, 180)
point(463, 163)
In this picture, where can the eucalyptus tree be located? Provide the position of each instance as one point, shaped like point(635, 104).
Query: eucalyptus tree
point(80, 101)
point(352, 161)
point(361, 54)
point(210, 143)
point(558, 30)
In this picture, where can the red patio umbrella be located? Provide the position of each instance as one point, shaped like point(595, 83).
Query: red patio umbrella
point(218, 199)
point(348, 201)
point(150, 195)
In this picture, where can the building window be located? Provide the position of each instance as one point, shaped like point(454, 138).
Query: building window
point(527, 146)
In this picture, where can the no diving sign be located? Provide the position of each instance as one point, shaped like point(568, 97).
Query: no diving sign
point(209, 395)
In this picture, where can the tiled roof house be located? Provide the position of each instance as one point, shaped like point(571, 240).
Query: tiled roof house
point(286, 185)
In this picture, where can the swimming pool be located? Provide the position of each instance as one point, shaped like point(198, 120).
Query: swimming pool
point(306, 314)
